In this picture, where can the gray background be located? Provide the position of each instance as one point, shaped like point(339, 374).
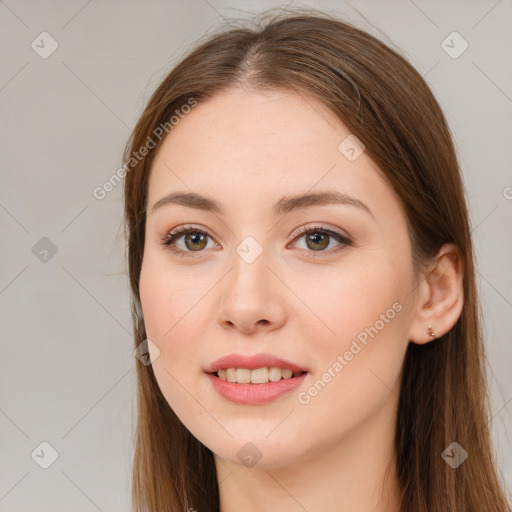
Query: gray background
point(66, 364)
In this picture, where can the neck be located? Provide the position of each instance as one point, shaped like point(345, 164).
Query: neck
point(356, 473)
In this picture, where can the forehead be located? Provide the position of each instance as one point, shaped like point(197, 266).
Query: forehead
point(248, 146)
point(238, 124)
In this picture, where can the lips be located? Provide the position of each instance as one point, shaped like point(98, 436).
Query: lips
point(254, 394)
point(253, 362)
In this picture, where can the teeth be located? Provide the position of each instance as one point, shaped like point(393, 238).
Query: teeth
point(274, 374)
point(243, 376)
point(257, 376)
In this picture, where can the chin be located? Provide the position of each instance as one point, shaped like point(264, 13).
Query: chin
point(255, 451)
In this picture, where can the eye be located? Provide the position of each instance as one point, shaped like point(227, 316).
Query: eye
point(318, 238)
point(194, 240)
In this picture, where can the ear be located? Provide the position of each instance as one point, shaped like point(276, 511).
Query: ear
point(440, 296)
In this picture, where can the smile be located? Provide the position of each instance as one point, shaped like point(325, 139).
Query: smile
point(256, 376)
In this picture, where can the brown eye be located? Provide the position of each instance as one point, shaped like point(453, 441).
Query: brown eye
point(317, 241)
point(195, 241)
point(185, 241)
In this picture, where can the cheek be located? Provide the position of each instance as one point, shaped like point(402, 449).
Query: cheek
point(175, 322)
point(359, 357)
point(170, 298)
point(166, 302)
point(348, 299)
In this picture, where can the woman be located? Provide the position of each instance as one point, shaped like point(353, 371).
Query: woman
point(303, 283)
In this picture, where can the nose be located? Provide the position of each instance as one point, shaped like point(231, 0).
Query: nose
point(251, 297)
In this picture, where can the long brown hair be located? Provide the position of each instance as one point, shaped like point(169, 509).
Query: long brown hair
point(386, 103)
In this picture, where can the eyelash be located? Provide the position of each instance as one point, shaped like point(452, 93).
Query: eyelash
point(177, 233)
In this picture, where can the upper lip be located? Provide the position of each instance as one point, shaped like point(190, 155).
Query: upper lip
point(252, 362)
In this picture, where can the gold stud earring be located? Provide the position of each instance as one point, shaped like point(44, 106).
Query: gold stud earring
point(431, 331)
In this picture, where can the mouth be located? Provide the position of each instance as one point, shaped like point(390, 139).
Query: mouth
point(256, 376)
point(254, 379)
point(258, 386)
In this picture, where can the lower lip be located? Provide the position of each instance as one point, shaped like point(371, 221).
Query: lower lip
point(254, 393)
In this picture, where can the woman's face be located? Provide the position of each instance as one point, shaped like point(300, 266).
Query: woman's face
point(248, 282)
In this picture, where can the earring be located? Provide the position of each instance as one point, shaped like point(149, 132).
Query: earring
point(431, 332)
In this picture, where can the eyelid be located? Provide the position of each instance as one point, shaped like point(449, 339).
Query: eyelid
point(184, 227)
point(321, 227)
point(299, 231)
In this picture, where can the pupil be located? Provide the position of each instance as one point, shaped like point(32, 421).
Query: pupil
point(195, 239)
point(318, 242)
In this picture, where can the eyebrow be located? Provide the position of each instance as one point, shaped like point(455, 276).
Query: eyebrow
point(283, 206)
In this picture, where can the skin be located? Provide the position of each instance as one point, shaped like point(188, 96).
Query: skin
point(247, 150)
